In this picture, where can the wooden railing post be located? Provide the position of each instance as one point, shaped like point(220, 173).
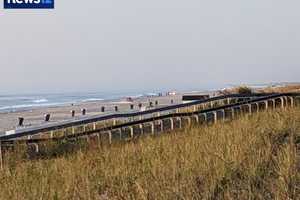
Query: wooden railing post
point(228, 101)
point(152, 128)
point(189, 121)
point(36, 147)
point(161, 125)
point(274, 103)
point(232, 113)
point(98, 139)
point(194, 108)
point(197, 118)
point(172, 123)
point(110, 137)
point(51, 134)
point(1, 156)
point(286, 101)
point(205, 117)
point(292, 101)
point(266, 105)
point(141, 128)
point(257, 106)
point(215, 116)
point(223, 114)
point(120, 132)
point(282, 102)
point(250, 108)
point(131, 131)
point(180, 123)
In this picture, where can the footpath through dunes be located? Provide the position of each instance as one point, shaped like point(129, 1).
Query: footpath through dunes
point(253, 157)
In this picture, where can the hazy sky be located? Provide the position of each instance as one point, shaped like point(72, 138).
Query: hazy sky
point(105, 45)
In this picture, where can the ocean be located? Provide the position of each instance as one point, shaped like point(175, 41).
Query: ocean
point(13, 103)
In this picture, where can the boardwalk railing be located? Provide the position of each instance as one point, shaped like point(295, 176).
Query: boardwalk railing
point(252, 102)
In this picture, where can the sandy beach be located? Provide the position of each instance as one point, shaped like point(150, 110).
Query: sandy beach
point(9, 121)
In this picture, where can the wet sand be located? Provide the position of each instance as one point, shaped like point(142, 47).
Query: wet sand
point(9, 121)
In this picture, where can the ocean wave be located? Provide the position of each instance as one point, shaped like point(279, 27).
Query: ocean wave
point(40, 101)
point(26, 106)
point(150, 94)
point(92, 99)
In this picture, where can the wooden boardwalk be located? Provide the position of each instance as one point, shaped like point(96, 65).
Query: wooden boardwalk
point(123, 126)
point(169, 117)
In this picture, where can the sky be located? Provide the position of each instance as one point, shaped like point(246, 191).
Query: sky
point(142, 45)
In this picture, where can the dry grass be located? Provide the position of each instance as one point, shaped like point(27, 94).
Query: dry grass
point(255, 157)
point(282, 89)
point(243, 89)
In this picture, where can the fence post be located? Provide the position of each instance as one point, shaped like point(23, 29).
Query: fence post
point(47, 117)
point(172, 123)
point(98, 140)
point(21, 121)
point(194, 108)
point(205, 117)
point(286, 100)
point(131, 131)
point(215, 116)
point(282, 102)
point(250, 108)
point(180, 124)
point(161, 125)
point(257, 106)
point(51, 134)
point(266, 105)
point(36, 147)
point(292, 101)
point(232, 113)
point(197, 118)
point(223, 114)
point(152, 128)
point(73, 113)
point(228, 101)
point(141, 128)
point(1, 157)
point(109, 137)
point(120, 132)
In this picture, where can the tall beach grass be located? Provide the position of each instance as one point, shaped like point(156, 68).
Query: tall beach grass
point(254, 157)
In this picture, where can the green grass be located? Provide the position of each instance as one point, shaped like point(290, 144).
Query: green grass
point(255, 157)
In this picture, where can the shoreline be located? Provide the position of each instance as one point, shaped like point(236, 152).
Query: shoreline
point(35, 116)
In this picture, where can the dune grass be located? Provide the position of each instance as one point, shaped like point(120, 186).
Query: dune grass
point(254, 157)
